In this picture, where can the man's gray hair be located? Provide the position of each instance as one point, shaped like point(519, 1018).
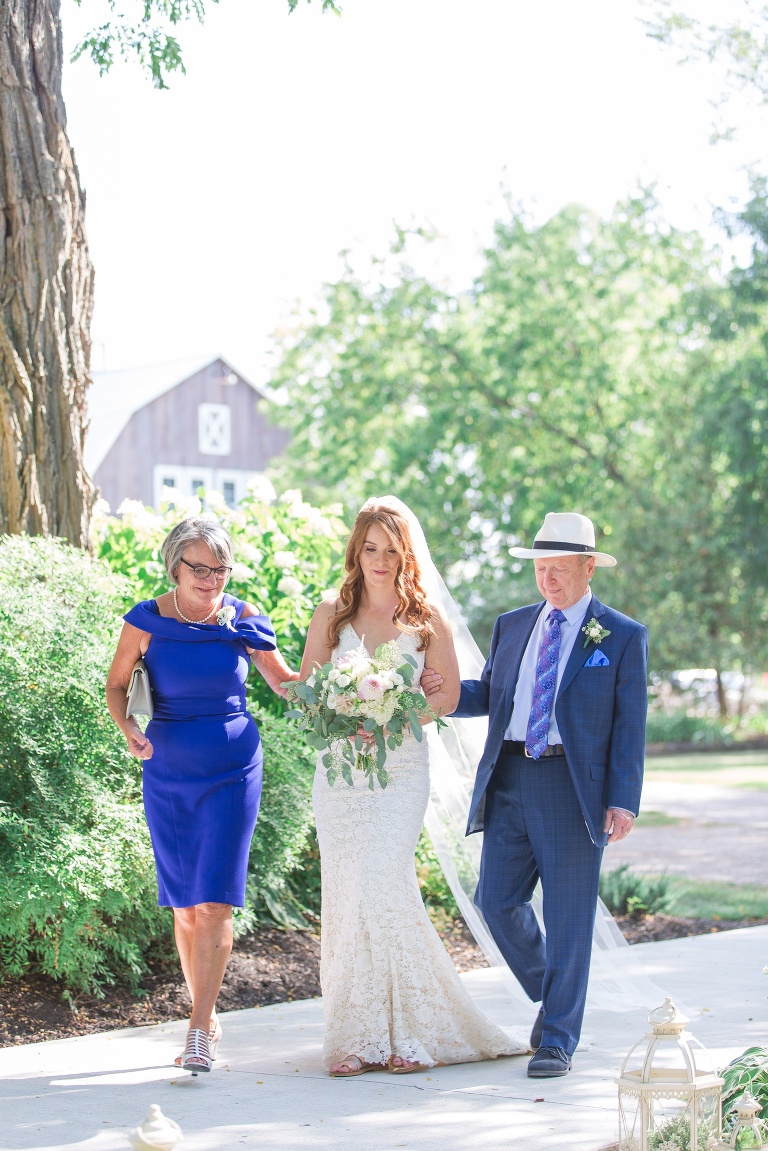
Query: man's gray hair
point(190, 531)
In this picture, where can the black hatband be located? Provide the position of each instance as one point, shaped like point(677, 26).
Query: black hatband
point(558, 545)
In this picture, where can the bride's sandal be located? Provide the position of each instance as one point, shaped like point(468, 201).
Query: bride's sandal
point(356, 1065)
point(197, 1053)
point(405, 1068)
point(214, 1035)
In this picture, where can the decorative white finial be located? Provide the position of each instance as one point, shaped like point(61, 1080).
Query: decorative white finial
point(156, 1133)
point(667, 1020)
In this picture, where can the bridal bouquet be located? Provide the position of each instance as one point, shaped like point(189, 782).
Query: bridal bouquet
point(356, 693)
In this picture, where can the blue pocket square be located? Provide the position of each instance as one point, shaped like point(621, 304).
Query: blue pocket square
point(597, 659)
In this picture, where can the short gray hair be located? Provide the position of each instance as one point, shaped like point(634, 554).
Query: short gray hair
point(191, 530)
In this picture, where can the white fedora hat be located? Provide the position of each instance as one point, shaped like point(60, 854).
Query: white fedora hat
point(565, 534)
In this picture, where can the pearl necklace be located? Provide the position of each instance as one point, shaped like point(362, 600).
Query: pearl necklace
point(180, 614)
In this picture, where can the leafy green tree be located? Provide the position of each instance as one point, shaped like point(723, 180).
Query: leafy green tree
point(536, 389)
point(147, 34)
point(739, 41)
point(46, 274)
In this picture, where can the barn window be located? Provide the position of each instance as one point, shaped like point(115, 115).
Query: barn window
point(228, 491)
point(197, 484)
point(214, 429)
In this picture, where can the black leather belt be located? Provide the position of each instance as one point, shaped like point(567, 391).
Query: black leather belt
point(517, 747)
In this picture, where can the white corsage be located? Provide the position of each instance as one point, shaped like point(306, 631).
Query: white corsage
point(225, 615)
point(594, 632)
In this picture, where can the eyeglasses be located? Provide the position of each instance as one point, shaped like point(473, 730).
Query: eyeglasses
point(202, 571)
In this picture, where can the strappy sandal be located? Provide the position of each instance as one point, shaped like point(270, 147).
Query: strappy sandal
point(357, 1065)
point(408, 1068)
point(197, 1052)
point(214, 1035)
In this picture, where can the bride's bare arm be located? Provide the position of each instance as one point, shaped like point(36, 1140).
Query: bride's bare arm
point(441, 657)
point(269, 664)
point(317, 650)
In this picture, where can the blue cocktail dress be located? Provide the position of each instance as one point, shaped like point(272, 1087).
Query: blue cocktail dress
point(202, 785)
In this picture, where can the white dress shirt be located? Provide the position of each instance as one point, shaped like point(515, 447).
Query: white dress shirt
point(570, 630)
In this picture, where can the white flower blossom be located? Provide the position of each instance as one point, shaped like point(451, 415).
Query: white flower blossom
point(138, 517)
point(285, 560)
point(225, 615)
point(251, 553)
point(280, 540)
point(292, 497)
point(241, 572)
point(290, 586)
point(260, 487)
point(371, 687)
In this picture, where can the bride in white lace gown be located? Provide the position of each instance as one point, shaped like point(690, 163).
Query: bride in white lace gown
point(391, 995)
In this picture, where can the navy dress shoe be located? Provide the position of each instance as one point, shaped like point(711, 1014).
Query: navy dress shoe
point(548, 1063)
point(536, 1030)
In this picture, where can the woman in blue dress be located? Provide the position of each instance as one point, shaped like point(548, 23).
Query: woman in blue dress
point(202, 753)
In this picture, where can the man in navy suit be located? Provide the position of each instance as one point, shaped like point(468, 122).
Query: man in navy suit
point(564, 688)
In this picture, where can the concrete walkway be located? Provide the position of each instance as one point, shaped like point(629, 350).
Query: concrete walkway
point(269, 1091)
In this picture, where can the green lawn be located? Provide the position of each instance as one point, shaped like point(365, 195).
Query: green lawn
point(652, 818)
point(723, 768)
point(718, 900)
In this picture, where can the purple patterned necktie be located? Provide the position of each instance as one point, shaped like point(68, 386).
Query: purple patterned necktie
point(537, 735)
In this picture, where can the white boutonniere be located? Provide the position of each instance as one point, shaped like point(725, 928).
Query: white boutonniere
point(225, 615)
point(593, 632)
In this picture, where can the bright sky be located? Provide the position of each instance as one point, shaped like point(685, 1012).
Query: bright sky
point(213, 207)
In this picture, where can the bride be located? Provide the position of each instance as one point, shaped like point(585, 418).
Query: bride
point(392, 998)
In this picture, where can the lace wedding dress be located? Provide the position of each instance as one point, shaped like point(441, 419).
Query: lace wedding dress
point(389, 987)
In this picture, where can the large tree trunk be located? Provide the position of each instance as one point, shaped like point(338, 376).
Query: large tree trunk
point(46, 286)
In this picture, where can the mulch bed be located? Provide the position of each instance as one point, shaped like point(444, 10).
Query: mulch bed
point(269, 966)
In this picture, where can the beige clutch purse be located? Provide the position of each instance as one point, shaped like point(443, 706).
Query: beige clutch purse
point(139, 691)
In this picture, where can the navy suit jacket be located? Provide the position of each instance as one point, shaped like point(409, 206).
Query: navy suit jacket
point(600, 711)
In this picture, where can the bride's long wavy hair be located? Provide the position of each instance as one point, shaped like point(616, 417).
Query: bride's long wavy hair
point(413, 613)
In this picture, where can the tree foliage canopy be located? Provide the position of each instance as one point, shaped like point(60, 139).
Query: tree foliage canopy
point(146, 32)
point(594, 365)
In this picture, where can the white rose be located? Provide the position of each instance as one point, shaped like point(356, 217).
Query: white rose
point(343, 680)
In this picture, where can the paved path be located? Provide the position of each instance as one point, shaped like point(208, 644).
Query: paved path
point(269, 1091)
point(722, 834)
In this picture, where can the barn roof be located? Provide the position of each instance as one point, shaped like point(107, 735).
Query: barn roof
point(113, 397)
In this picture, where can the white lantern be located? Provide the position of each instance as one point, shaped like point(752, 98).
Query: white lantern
point(746, 1120)
point(667, 1102)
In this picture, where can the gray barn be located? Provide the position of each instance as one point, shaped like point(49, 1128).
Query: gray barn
point(182, 425)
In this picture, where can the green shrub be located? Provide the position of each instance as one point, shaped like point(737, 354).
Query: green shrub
point(625, 893)
point(437, 895)
point(288, 555)
point(749, 1072)
point(77, 878)
point(283, 844)
point(77, 881)
point(679, 727)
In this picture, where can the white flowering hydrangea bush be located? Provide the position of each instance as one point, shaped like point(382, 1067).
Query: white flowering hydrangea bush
point(288, 556)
